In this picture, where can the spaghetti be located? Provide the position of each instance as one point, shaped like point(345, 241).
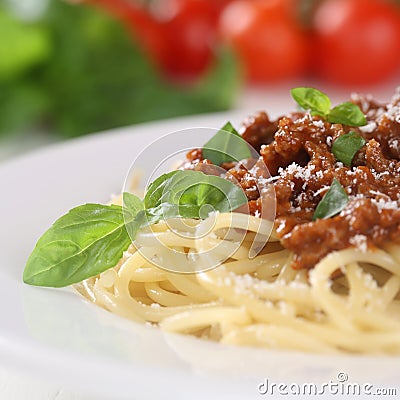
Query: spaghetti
point(263, 301)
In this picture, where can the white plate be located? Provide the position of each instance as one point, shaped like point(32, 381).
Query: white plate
point(56, 335)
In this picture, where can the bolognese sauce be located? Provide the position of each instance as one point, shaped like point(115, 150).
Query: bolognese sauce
point(297, 150)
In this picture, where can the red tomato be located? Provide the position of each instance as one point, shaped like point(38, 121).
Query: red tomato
point(179, 35)
point(266, 38)
point(357, 41)
point(189, 29)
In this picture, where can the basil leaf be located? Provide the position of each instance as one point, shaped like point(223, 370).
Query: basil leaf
point(188, 194)
point(312, 99)
point(199, 189)
point(132, 207)
point(132, 203)
point(332, 203)
point(347, 114)
point(155, 190)
point(163, 212)
point(86, 241)
point(346, 146)
point(167, 211)
point(226, 146)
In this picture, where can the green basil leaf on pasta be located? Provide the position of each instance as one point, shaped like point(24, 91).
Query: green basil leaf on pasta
point(155, 190)
point(347, 114)
point(163, 212)
point(226, 146)
point(132, 203)
point(86, 241)
point(332, 203)
point(312, 99)
point(167, 211)
point(346, 146)
point(198, 189)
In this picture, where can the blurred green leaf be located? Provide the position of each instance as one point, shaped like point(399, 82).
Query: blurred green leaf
point(222, 82)
point(22, 45)
point(22, 106)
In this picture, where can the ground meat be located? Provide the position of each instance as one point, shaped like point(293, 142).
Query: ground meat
point(258, 130)
point(296, 149)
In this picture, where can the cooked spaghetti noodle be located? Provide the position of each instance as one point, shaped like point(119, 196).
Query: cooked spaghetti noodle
point(263, 301)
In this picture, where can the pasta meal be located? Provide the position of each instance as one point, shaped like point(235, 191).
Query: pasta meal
point(285, 235)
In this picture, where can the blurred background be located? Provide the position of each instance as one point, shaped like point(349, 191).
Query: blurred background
point(70, 68)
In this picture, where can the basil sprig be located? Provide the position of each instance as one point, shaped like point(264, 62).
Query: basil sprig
point(196, 189)
point(91, 238)
point(346, 146)
point(225, 146)
point(332, 203)
point(186, 194)
point(319, 104)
